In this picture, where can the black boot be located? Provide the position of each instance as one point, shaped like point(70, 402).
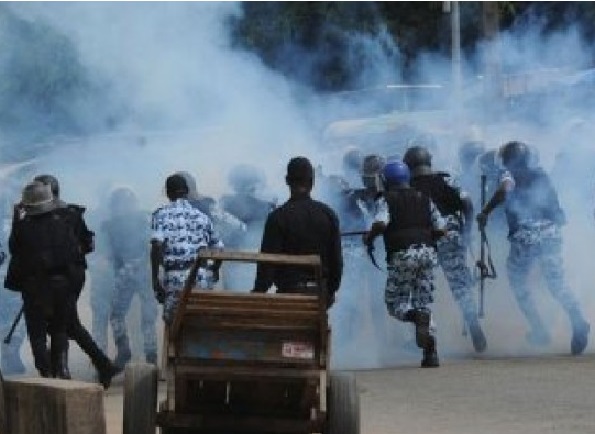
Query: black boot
point(123, 355)
point(41, 358)
point(106, 370)
point(60, 364)
point(422, 319)
point(580, 336)
point(477, 336)
point(430, 359)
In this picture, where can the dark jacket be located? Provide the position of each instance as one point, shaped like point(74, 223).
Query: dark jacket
point(301, 226)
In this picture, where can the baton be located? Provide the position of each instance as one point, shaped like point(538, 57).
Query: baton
point(16, 321)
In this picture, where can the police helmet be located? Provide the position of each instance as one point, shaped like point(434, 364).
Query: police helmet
point(52, 181)
point(515, 155)
point(244, 178)
point(396, 173)
point(352, 159)
point(419, 160)
point(123, 198)
point(371, 170)
point(470, 151)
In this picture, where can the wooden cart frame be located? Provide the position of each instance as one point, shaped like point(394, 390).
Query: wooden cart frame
point(253, 363)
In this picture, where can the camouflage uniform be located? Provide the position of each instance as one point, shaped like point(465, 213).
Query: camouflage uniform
point(183, 230)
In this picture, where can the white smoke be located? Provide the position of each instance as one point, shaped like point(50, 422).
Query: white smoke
point(194, 103)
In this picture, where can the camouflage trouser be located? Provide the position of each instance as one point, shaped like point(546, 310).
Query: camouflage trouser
point(541, 241)
point(173, 283)
point(133, 279)
point(101, 293)
point(452, 257)
point(410, 281)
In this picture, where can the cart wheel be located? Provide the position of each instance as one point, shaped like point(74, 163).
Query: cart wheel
point(140, 398)
point(343, 405)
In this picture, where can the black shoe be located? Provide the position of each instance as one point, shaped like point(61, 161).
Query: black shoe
point(422, 327)
point(479, 340)
point(60, 366)
point(430, 360)
point(580, 338)
point(106, 373)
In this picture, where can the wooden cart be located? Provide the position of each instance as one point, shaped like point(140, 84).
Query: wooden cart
point(250, 363)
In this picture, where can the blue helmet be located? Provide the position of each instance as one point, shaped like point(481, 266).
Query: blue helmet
point(396, 173)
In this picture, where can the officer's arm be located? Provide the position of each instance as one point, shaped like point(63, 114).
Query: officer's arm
point(467, 213)
point(156, 259)
point(335, 265)
point(506, 185)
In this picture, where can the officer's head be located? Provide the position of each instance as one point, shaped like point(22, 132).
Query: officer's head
point(419, 160)
point(300, 175)
point(176, 187)
point(52, 181)
point(123, 200)
point(515, 156)
point(352, 160)
point(396, 174)
point(190, 183)
point(469, 152)
point(37, 198)
point(246, 179)
point(371, 172)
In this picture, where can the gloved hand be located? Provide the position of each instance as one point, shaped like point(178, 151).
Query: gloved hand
point(482, 220)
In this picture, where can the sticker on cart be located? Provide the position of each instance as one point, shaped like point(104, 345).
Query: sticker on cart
point(297, 350)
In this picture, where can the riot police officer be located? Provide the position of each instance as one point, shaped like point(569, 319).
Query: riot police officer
point(457, 209)
point(408, 221)
point(127, 236)
point(534, 218)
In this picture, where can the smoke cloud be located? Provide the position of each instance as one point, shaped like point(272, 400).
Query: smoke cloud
point(181, 97)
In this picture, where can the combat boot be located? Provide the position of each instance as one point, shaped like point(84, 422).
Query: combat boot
point(422, 319)
point(580, 337)
point(123, 355)
point(430, 359)
point(60, 364)
point(477, 336)
point(41, 358)
point(10, 360)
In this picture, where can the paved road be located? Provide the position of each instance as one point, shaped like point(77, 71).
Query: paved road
point(553, 394)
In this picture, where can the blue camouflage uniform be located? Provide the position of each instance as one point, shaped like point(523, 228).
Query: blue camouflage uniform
point(410, 281)
point(183, 230)
point(534, 219)
point(127, 236)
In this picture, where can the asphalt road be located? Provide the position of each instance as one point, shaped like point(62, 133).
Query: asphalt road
point(533, 395)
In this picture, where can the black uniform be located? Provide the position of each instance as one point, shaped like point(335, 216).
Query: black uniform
point(46, 250)
point(301, 226)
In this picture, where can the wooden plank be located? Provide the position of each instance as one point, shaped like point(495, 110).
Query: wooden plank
point(43, 405)
point(245, 312)
point(268, 258)
point(206, 423)
point(244, 372)
point(140, 398)
point(3, 428)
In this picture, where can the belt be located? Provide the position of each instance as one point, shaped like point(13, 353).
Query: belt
point(178, 265)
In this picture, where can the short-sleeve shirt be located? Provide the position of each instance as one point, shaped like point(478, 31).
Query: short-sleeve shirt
point(183, 230)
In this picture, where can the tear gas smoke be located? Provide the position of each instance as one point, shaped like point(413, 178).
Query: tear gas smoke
point(194, 103)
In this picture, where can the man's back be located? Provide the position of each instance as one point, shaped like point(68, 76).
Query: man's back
point(301, 226)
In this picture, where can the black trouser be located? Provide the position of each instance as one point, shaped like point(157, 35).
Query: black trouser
point(47, 309)
point(76, 330)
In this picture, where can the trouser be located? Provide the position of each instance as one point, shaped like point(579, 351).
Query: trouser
point(452, 257)
point(173, 283)
point(75, 328)
point(132, 279)
point(47, 310)
point(102, 291)
point(541, 243)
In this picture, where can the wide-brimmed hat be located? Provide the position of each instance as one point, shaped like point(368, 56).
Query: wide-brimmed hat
point(37, 198)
